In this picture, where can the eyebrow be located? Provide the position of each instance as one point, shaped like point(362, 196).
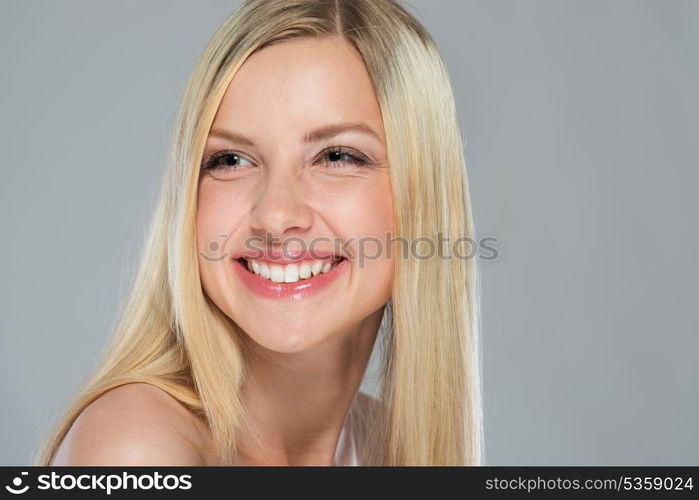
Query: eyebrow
point(316, 135)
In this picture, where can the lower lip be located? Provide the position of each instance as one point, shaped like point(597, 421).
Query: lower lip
point(295, 291)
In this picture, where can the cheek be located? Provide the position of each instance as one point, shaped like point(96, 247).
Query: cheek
point(375, 229)
point(216, 220)
point(207, 218)
point(356, 207)
point(218, 212)
point(375, 222)
point(361, 212)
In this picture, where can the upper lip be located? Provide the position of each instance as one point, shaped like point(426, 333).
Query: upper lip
point(288, 255)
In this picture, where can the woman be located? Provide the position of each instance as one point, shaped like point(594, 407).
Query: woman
point(317, 142)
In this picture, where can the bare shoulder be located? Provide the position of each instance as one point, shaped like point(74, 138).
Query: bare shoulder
point(134, 424)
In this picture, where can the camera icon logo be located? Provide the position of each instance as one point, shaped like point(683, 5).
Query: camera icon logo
point(17, 482)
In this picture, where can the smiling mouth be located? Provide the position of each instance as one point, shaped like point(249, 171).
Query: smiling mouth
point(291, 273)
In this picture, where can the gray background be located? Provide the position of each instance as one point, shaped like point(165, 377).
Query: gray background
point(581, 121)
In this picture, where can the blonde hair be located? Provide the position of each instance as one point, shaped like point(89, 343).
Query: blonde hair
point(172, 336)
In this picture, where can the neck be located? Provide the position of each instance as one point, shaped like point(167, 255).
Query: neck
point(297, 403)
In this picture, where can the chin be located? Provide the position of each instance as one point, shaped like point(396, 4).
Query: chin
point(285, 341)
point(285, 333)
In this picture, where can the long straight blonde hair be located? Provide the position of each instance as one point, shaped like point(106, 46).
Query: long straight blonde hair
point(171, 335)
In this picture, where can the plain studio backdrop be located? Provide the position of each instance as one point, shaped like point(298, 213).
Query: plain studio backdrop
point(581, 127)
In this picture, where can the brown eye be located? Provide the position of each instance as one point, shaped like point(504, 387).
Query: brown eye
point(225, 160)
point(341, 157)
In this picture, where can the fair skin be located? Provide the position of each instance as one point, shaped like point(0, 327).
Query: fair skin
point(305, 355)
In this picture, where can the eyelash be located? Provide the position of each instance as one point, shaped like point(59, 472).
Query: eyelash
point(354, 158)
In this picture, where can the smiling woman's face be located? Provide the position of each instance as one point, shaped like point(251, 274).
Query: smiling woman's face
point(299, 163)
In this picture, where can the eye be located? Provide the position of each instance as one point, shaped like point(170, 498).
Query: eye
point(226, 161)
point(338, 157)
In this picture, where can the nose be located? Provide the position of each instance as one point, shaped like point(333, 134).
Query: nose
point(280, 208)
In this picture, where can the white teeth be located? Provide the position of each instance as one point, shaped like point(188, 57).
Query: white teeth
point(290, 273)
point(304, 271)
point(276, 274)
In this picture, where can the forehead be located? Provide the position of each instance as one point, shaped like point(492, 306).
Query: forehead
point(300, 83)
